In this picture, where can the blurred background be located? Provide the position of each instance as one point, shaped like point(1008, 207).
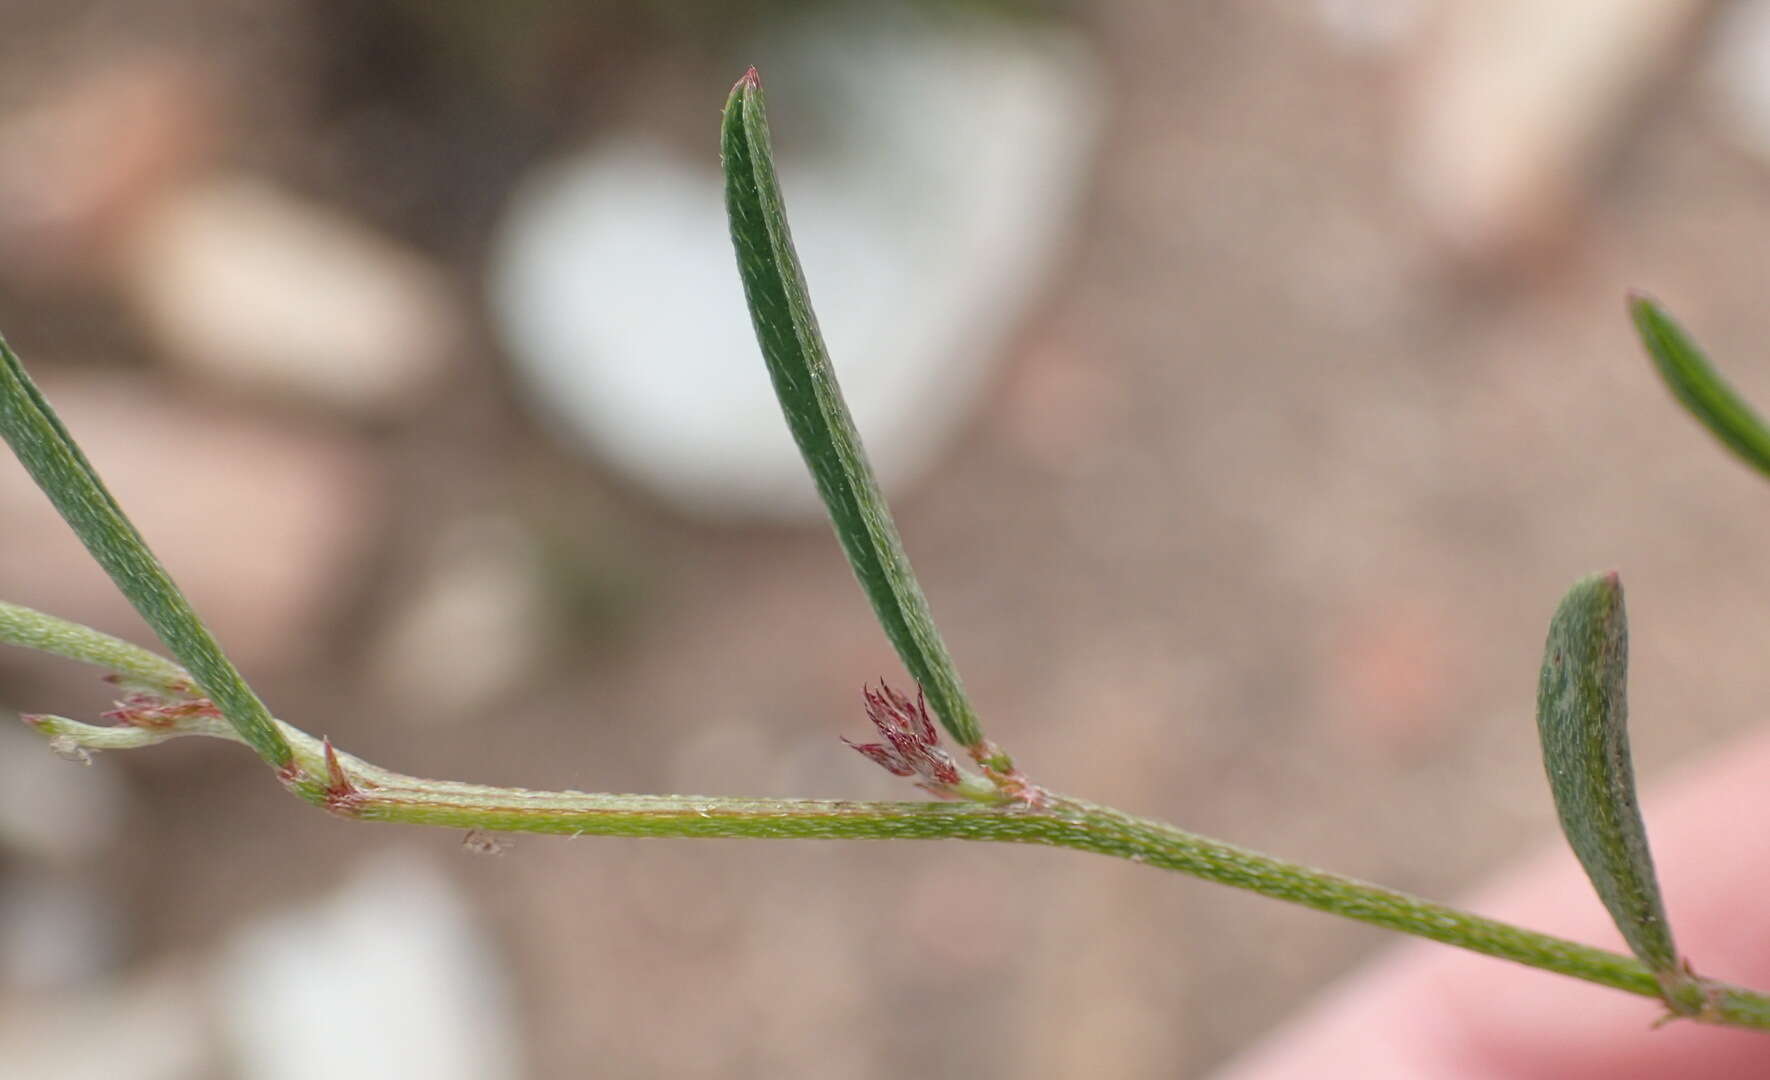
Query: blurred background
point(1251, 378)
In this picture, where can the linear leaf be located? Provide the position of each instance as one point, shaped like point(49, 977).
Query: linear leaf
point(1699, 387)
point(1582, 717)
point(55, 462)
point(799, 365)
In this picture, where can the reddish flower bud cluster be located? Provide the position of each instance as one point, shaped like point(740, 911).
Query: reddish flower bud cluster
point(150, 711)
point(912, 745)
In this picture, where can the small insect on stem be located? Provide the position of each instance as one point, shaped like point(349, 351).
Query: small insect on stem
point(477, 842)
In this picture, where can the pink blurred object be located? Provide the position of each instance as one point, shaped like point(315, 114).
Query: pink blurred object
point(79, 167)
point(1428, 1012)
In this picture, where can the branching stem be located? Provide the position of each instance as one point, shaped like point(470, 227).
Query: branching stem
point(353, 788)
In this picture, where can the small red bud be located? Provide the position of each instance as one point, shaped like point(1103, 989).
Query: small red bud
point(912, 742)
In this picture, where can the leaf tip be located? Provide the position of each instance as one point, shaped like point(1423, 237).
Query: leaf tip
point(1593, 595)
point(1647, 314)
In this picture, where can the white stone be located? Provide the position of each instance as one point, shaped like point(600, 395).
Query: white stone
point(927, 205)
point(386, 977)
point(470, 625)
point(240, 281)
point(1515, 102)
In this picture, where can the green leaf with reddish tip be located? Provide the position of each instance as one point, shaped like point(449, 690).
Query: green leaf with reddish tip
point(799, 365)
point(1696, 384)
point(56, 463)
point(1582, 717)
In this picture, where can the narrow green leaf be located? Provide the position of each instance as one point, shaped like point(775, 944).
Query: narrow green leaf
point(1699, 387)
point(1582, 717)
point(55, 462)
point(805, 383)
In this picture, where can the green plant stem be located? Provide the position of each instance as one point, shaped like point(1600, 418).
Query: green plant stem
point(32, 629)
point(56, 463)
point(353, 788)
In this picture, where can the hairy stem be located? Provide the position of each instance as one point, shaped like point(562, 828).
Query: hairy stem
point(32, 629)
point(353, 788)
